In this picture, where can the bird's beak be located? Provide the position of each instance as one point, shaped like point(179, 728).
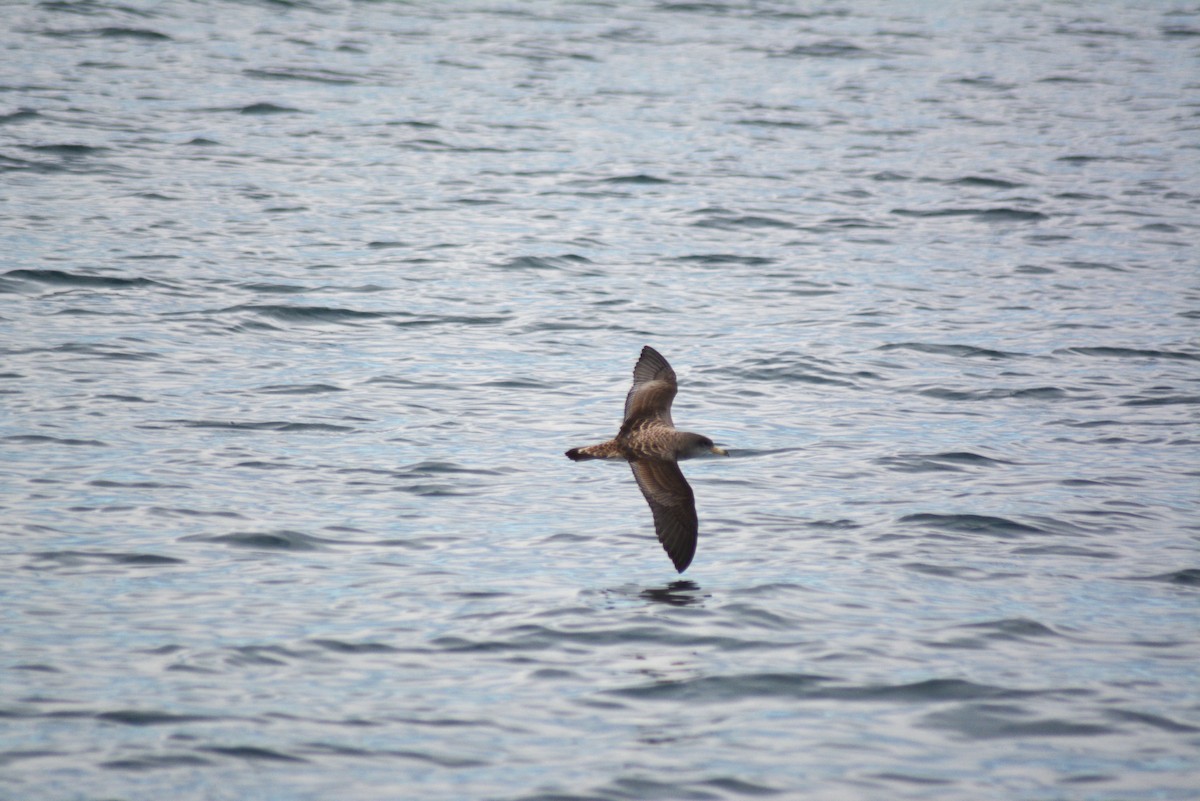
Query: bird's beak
point(719, 451)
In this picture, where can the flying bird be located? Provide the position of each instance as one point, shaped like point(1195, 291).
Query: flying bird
point(649, 442)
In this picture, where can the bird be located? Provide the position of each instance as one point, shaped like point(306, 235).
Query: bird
point(653, 447)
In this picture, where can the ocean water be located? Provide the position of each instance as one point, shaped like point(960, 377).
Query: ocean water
point(302, 302)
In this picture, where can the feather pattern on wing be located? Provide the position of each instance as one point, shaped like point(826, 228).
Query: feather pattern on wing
point(653, 390)
point(673, 505)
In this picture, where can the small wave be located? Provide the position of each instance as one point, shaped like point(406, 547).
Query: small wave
point(137, 34)
point(305, 314)
point(76, 558)
point(1131, 353)
point(262, 109)
point(63, 278)
point(272, 425)
point(308, 75)
point(720, 259)
point(282, 540)
point(38, 439)
point(146, 717)
point(341, 647)
point(950, 461)
point(19, 116)
point(999, 214)
point(108, 484)
point(1035, 393)
point(638, 178)
point(1164, 400)
point(981, 181)
point(1187, 577)
point(67, 151)
point(568, 261)
point(770, 123)
point(831, 48)
point(979, 722)
point(252, 753)
point(157, 762)
point(972, 524)
point(742, 221)
point(801, 686)
point(964, 351)
point(298, 389)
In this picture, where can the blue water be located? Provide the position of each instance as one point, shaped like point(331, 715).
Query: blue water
point(301, 303)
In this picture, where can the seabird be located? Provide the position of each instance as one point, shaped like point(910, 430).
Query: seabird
point(649, 442)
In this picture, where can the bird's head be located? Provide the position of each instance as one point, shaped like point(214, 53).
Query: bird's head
point(698, 445)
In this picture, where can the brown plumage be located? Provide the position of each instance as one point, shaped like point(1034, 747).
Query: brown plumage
point(649, 442)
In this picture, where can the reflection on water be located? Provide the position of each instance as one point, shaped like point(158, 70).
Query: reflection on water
point(677, 593)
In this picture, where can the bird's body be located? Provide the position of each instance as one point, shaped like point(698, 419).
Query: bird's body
point(653, 447)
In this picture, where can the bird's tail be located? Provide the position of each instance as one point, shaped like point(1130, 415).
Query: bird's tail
point(605, 450)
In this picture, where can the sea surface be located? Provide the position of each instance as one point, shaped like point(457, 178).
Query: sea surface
point(302, 302)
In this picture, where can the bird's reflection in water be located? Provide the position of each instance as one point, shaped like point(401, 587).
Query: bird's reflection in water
point(677, 593)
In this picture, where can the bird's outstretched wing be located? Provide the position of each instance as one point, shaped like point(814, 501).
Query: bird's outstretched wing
point(674, 507)
point(652, 392)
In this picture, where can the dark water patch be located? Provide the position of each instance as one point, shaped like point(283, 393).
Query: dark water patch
point(157, 762)
point(321, 76)
point(722, 259)
point(638, 178)
point(113, 32)
point(949, 571)
point(1187, 577)
point(991, 722)
point(387, 244)
point(960, 351)
point(1180, 32)
point(830, 48)
point(1164, 400)
point(451, 319)
point(20, 115)
point(432, 468)
point(519, 383)
point(38, 439)
point(1153, 721)
point(182, 512)
point(273, 425)
point(78, 558)
point(109, 484)
point(306, 314)
point(67, 150)
point(972, 524)
point(985, 182)
point(777, 123)
point(800, 686)
point(143, 717)
point(282, 540)
point(1031, 393)
point(1001, 214)
point(950, 461)
point(341, 647)
point(1130, 353)
point(104, 352)
point(1078, 264)
point(1064, 550)
point(1013, 629)
point(262, 109)
point(569, 262)
point(298, 389)
point(744, 221)
point(440, 760)
point(252, 753)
